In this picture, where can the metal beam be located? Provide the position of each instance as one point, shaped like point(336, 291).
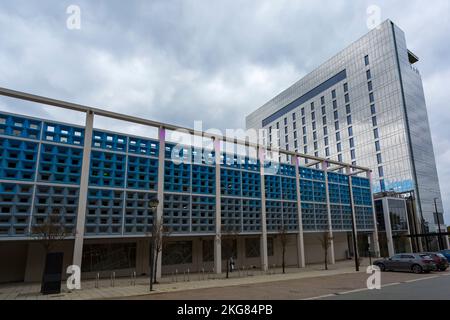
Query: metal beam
point(119, 116)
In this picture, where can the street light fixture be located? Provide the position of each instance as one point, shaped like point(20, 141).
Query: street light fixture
point(152, 205)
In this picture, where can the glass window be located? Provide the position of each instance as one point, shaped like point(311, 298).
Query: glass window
point(285, 130)
point(336, 125)
point(351, 142)
point(345, 87)
point(305, 149)
point(374, 121)
point(314, 135)
point(294, 125)
point(313, 115)
point(312, 106)
point(369, 86)
point(334, 104)
point(295, 134)
point(303, 111)
point(366, 60)
point(333, 94)
point(371, 98)
point(336, 115)
point(325, 140)
point(324, 110)
point(349, 119)
point(380, 172)
point(322, 100)
point(314, 125)
point(350, 131)
point(305, 141)
point(369, 75)
point(346, 98)
point(338, 136)
point(315, 145)
point(352, 154)
point(295, 145)
point(377, 145)
point(379, 159)
point(372, 109)
point(293, 116)
point(325, 130)
point(324, 120)
point(278, 125)
point(339, 147)
point(375, 133)
point(252, 248)
point(327, 152)
point(340, 157)
point(347, 109)
point(285, 121)
point(304, 130)
point(303, 121)
point(316, 154)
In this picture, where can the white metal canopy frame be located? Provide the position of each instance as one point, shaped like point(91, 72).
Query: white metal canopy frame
point(350, 170)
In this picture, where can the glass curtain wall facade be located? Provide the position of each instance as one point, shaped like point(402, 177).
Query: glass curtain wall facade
point(363, 106)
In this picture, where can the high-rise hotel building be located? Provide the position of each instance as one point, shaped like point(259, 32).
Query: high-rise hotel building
point(364, 106)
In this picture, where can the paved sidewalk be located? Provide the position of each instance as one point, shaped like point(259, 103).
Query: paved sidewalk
point(124, 288)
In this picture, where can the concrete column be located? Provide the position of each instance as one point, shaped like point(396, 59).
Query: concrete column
point(330, 224)
point(376, 242)
point(352, 206)
point(160, 196)
point(218, 236)
point(300, 240)
point(263, 244)
point(84, 184)
point(387, 221)
point(447, 243)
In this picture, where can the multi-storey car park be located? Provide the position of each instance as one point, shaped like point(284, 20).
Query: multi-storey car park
point(366, 106)
point(100, 184)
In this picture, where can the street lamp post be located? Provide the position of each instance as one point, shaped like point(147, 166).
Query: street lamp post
point(152, 204)
point(439, 225)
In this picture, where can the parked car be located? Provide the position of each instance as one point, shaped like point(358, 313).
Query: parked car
point(439, 259)
point(415, 262)
point(446, 254)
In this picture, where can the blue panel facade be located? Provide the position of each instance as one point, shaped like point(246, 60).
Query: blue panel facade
point(40, 169)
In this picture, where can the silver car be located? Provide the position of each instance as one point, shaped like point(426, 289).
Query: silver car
point(412, 262)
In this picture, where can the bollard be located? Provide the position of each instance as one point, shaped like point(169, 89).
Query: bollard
point(113, 278)
point(188, 273)
point(203, 273)
point(97, 278)
point(176, 275)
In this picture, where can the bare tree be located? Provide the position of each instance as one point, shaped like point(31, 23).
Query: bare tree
point(50, 231)
point(325, 241)
point(159, 236)
point(282, 233)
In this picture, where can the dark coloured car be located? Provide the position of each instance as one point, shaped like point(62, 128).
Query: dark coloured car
point(439, 259)
point(412, 262)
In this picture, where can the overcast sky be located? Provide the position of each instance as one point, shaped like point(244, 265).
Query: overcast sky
point(215, 61)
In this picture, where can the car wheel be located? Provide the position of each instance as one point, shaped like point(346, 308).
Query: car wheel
point(417, 269)
point(381, 266)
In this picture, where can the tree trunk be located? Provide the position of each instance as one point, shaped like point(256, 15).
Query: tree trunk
point(326, 259)
point(283, 261)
